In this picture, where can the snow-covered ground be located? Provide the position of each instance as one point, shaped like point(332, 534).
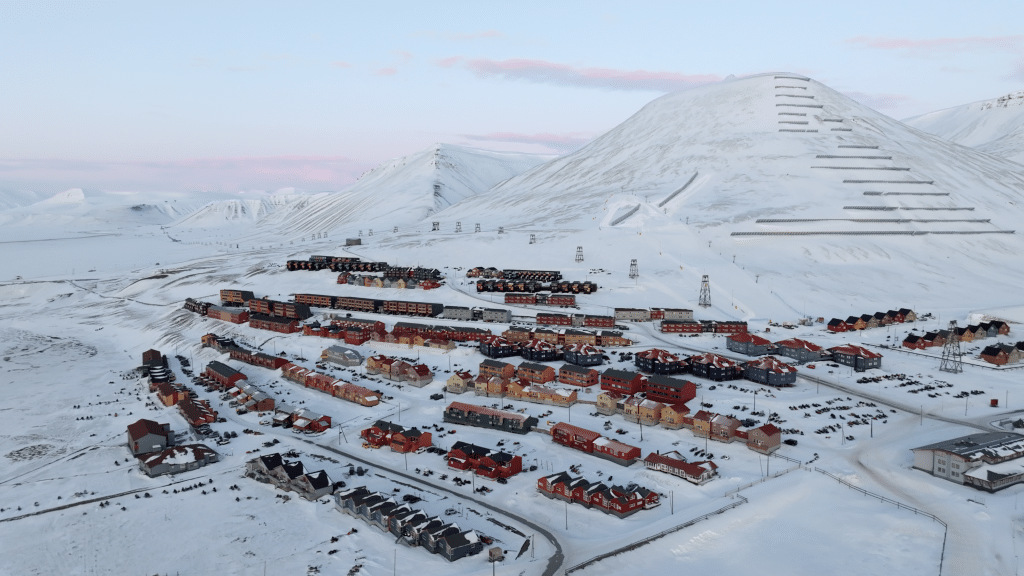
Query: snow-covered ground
point(89, 282)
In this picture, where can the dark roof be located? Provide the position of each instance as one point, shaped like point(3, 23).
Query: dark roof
point(533, 366)
point(621, 374)
point(319, 479)
point(294, 469)
point(667, 381)
point(577, 369)
point(974, 442)
point(271, 461)
point(143, 427)
point(461, 539)
point(471, 450)
point(222, 369)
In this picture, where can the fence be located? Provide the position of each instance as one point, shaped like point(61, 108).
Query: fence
point(945, 532)
point(739, 489)
point(888, 181)
point(626, 215)
point(869, 220)
point(681, 188)
point(872, 233)
point(629, 547)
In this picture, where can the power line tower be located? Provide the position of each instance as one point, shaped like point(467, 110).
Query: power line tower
point(458, 226)
point(533, 238)
point(952, 357)
point(634, 272)
point(477, 229)
point(436, 226)
point(395, 231)
point(705, 292)
point(579, 253)
point(360, 233)
point(501, 229)
point(371, 232)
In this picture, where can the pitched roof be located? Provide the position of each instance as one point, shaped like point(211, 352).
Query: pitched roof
point(576, 369)
point(667, 381)
point(771, 364)
point(855, 350)
point(143, 427)
point(798, 343)
point(747, 337)
point(769, 429)
point(658, 355)
point(620, 374)
point(713, 359)
point(589, 435)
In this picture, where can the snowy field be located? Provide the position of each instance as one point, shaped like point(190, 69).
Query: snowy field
point(91, 280)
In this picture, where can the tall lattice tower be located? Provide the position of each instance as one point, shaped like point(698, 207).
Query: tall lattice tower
point(395, 231)
point(533, 238)
point(705, 292)
point(634, 271)
point(435, 226)
point(952, 357)
point(579, 253)
point(458, 226)
point(477, 229)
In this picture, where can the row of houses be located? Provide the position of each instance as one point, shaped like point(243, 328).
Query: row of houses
point(615, 500)
point(330, 385)
point(300, 418)
point(803, 351)
point(471, 415)
point(395, 436)
point(969, 333)
point(1001, 354)
point(876, 320)
point(767, 370)
point(650, 314)
point(373, 281)
point(541, 299)
point(513, 388)
point(195, 411)
point(484, 462)
point(577, 320)
point(545, 350)
point(593, 443)
point(418, 375)
point(413, 527)
point(290, 476)
point(702, 327)
point(483, 314)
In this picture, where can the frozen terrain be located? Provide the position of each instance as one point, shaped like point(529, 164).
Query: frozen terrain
point(993, 126)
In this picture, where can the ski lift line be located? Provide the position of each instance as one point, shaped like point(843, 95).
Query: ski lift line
point(854, 157)
point(803, 105)
point(862, 168)
point(889, 182)
point(677, 192)
point(869, 220)
point(908, 208)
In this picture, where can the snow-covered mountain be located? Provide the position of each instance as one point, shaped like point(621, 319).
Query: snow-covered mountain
point(404, 190)
point(992, 126)
point(240, 210)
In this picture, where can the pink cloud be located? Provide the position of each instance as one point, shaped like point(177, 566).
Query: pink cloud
point(542, 72)
point(880, 101)
point(403, 56)
point(341, 64)
point(386, 72)
point(561, 142)
point(226, 174)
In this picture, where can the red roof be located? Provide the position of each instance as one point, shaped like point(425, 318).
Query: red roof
point(769, 429)
point(464, 375)
point(659, 355)
point(688, 468)
point(713, 359)
point(143, 427)
point(749, 338)
point(704, 416)
point(771, 364)
point(589, 435)
point(798, 343)
point(421, 370)
point(855, 350)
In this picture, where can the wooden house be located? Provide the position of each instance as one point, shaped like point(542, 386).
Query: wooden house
point(455, 546)
point(470, 415)
point(800, 350)
point(397, 437)
point(748, 344)
point(459, 382)
point(837, 325)
point(674, 463)
point(622, 381)
point(657, 361)
point(224, 375)
point(176, 459)
point(764, 439)
point(858, 357)
point(574, 437)
point(540, 351)
point(418, 375)
point(614, 451)
point(680, 327)
point(673, 416)
point(914, 342)
point(497, 347)
point(357, 394)
point(313, 485)
point(146, 436)
point(535, 373)
point(483, 461)
point(937, 338)
point(493, 368)
point(643, 410)
point(714, 367)
point(870, 321)
point(516, 334)
point(856, 323)
point(669, 390)
point(582, 355)
point(608, 402)
point(769, 370)
point(578, 375)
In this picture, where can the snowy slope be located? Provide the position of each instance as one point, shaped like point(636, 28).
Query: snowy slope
point(992, 126)
point(241, 211)
point(406, 189)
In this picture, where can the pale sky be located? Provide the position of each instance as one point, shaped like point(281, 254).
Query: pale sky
point(232, 96)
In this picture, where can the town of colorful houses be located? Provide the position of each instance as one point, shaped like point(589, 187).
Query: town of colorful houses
point(566, 360)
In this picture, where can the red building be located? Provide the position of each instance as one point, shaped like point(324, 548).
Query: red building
point(670, 390)
point(574, 437)
point(554, 319)
point(258, 359)
point(622, 381)
point(578, 375)
point(274, 323)
point(730, 327)
point(614, 500)
point(233, 315)
point(837, 325)
point(225, 376)
point(681, 326)
point(399, 438)
point(484, 461)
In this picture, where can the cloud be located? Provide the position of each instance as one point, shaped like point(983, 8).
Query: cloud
point(386, 72)
point(224, 173)
point(932, 46)
point(561, 142)
point(542, 72)
point(880, 101)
